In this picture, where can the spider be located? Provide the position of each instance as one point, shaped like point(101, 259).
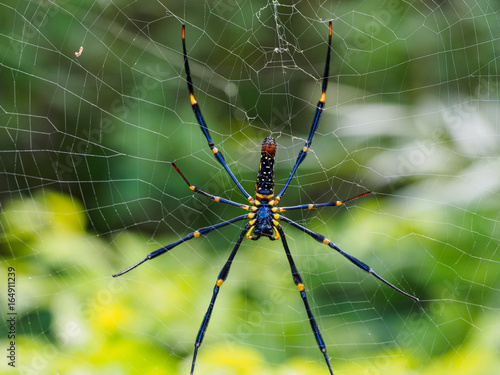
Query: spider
point(264, 214)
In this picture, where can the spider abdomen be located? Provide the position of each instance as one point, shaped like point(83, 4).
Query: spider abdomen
point(264, 188)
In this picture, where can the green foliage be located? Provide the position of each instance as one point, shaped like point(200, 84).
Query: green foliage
point(87, 187)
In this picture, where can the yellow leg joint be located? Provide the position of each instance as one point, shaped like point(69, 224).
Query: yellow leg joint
point(300, 286)
point(276, 234)
point(219, 282)
point(193, 100)
point(249, 233)
point(196, 234)
point(274, 202)
point(326, 241)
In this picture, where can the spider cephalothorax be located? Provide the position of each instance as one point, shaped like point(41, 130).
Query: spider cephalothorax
point(263, 216)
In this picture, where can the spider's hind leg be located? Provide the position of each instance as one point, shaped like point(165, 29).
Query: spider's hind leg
point(297, 279)
point(220, 279)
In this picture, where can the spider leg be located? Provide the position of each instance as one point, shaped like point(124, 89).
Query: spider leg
point(220, 279)
point(213, 197)
point(312, 206)
point(201, 121)
point(197, 233)
point(315, 123)
point(297, 279)
point(320, 238)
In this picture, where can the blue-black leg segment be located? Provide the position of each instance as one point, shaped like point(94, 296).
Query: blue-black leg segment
point(220, 279)
point(319, 205)
point(317, 117)
point(197, 233)
point(208, 195)
point(297, 279)
point(320, 238)
point(201, 121)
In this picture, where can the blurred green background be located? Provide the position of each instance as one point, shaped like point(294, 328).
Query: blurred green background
point(87, 188)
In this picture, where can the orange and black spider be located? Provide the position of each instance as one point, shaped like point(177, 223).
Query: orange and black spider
point(264, 218)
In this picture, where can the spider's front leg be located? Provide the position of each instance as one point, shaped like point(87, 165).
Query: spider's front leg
point(315, 123)
point(201, 121)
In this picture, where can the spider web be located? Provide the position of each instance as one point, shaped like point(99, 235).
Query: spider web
point(87, 188)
